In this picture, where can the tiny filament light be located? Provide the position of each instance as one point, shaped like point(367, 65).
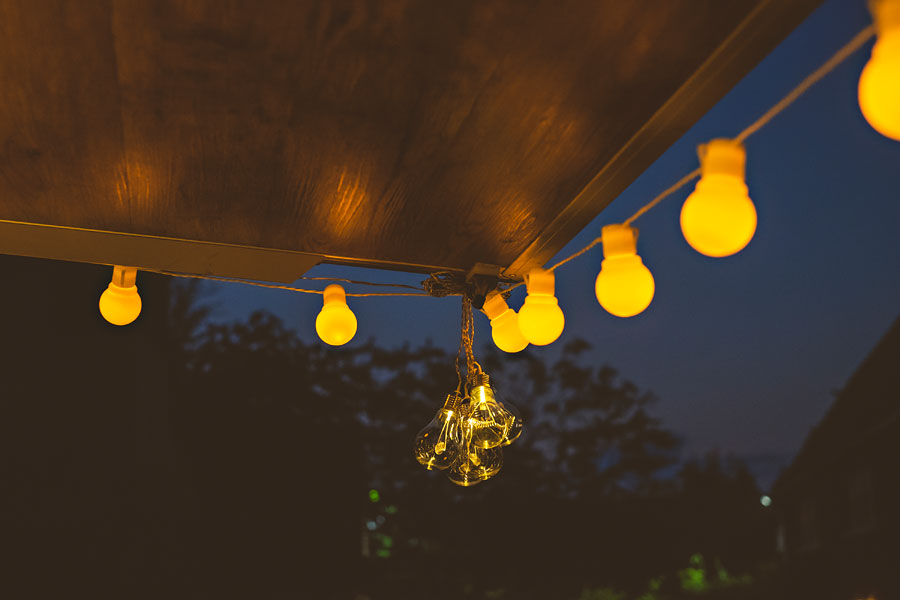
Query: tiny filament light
point(336, 323)
point(120, 303)
point(540, 318)
point(437, 444)
point(504, 324)
point(624, 286)
point(718, 218)
point(879, 83)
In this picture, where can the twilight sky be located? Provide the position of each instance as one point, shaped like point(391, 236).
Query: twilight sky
point(743, 352)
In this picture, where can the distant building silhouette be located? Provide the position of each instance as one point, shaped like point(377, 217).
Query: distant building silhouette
point(839, 501)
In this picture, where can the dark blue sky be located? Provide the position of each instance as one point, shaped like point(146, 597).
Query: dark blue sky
point(743, 352)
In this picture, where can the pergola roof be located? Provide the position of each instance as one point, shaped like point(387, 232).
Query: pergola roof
point(259, 138)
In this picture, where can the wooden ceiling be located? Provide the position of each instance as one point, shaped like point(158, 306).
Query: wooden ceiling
point(408, 134)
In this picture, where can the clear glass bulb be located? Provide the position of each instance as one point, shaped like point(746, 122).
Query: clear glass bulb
point(473, 464)
point(486, 418)
point(438, 444)
point(514, 424)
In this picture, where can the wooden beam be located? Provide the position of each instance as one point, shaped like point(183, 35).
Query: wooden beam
point(144, 251)
point(177, 255)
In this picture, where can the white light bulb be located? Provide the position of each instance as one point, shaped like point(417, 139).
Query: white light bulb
point(879, 82)
point(336, 323)
point(624, 286)
point(718, 218)
point(540, 318)
point(120, 303)
point(504, 324)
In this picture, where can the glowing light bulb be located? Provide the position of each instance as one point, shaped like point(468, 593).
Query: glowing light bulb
point(718, 218)
point(120, 303)
point(488, 420)
point(540, 318)
point(474, 464)
point(504, 324)
point(336, 323)
point(879, 83)
point(624, 285)
point(438, 443)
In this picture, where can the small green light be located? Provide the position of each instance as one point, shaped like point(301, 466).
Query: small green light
point(383, 553)
point(765, 501)
point(391, 509)
point(374, 496)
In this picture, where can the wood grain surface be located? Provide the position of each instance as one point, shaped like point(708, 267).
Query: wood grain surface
point(415, 132)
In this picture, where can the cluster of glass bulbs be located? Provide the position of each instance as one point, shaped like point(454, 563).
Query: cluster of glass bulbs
point(467, 435)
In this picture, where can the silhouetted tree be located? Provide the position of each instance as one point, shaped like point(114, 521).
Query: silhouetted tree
point(258, 409)
point(187, 458)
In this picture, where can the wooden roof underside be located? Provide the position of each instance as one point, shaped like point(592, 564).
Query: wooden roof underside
point(259, 138)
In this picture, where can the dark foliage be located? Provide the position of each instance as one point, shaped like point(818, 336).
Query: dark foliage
point(181, 458)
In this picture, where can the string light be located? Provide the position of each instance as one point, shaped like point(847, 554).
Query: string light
point(336, 323)
point(624, 285)
point(120, 303)
point(540, 318)
point(504, 324)
point(467, 434)
point(718, 218)
point(879, 83)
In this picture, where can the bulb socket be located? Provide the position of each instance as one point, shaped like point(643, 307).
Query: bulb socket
point(495, 305)
point(481, 378)
point(334, 294)
point(540, 281)
point(885, 14)
point(722, 157)
point(453, 401)
point(124, 277)
point(619, 240)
